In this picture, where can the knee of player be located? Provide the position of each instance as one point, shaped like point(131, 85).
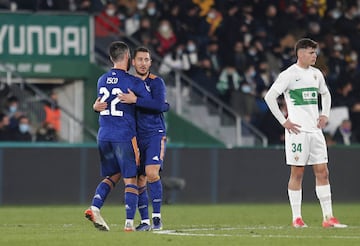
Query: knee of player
point(141, 181)
point(153, 177)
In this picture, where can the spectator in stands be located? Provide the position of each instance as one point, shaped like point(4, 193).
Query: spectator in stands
point(13, 111)
point(166, 37)
point(153, 14)
point(46, 133)
point(131, 22)
point(336, 63)
point(212, 52)
point(175, 18)
point(22, 132)
point(145, 29)
point(52, 111)
point(205, 75)
point(214, 19)
point(176, 59)
point(107, 23)
point(191, 51)
point(270, 22)
point(230, 86)
point(228, 33)
point(4, 127)
point(343, 134)
point(344, 97)
point(192, 25)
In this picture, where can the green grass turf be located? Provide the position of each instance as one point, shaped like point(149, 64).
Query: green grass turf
point(235, 224)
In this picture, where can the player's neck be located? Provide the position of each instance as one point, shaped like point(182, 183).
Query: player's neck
point(120, 66)
point(142, 76)
point(302, 65)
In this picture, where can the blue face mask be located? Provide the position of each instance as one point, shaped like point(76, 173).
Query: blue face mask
point(12, 109)
point(151, 11)
point(23, 128)
point(246, 88)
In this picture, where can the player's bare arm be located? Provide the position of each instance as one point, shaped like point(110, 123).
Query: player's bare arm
point(292, 127)
point(128, 98)
point(322, 121)
point(99, 106)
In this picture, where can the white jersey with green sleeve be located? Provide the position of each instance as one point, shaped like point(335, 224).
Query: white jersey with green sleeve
point(301, 88)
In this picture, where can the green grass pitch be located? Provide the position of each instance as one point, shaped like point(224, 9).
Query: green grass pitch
point(233, 224)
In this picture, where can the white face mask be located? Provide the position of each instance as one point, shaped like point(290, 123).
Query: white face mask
point(191, 48)
point(23, 128)
point(211, 15)
point(151, 11)
point(246, 88)
point(164, 28)
point(12, 109)
point(110, 12)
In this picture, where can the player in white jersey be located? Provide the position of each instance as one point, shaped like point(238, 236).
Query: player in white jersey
point(304, 141)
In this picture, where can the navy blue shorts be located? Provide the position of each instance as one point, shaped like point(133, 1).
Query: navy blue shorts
point(152, 151)
point(122, 157)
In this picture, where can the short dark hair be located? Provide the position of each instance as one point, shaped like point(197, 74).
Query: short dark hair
point(117, 50)
point(305, 43)
point(141, 49)
point(12, 99)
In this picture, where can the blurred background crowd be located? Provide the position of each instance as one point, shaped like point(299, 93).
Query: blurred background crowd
point(236, 48)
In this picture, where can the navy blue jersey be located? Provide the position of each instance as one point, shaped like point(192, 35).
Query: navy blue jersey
point(118, 123)
point(150, 117)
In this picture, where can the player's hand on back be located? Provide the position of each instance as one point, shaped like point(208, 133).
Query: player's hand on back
point(99, 106)
point(129, 97)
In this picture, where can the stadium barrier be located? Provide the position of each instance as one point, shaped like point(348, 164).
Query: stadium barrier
point(68, 174)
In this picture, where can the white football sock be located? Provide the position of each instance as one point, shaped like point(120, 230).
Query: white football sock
point(323, 193)
point(295, 197)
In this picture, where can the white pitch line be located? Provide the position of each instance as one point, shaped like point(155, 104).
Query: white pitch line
point(188, 232)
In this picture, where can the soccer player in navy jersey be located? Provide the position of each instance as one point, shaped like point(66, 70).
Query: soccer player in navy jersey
point(117, 136)
point(151, 130)
point(151, 136)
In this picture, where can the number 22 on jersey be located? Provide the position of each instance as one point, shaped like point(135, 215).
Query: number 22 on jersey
point(105, 95)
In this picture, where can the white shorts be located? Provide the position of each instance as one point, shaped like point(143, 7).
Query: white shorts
point(305, 148)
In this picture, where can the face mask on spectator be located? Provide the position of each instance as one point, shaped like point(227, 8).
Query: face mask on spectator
point(151, 11)
point(246, 88)
point(110, 12)
point(12, 109)
point(335, 14)
point(191, 48)
point(211, 15)
point(164, 28)
point(23, 128)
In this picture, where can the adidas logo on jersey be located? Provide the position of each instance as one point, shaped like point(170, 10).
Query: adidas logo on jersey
point(155, 158)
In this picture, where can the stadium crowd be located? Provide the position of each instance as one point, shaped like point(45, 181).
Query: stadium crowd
point(236, 48)
point(16, 123)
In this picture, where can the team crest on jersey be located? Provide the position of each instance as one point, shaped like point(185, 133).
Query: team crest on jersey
point(296, 158)
point(315, 77)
